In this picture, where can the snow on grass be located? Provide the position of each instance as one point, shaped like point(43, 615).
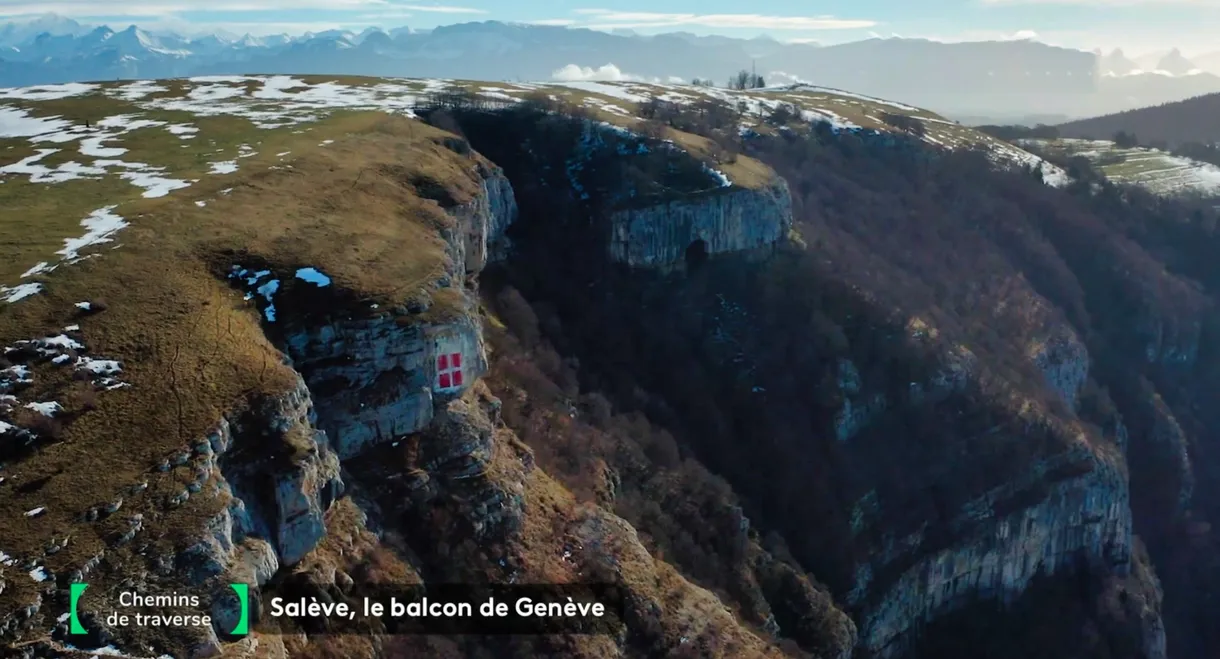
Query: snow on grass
point(35, 512)
point(38, 173)
point(153, 183)
point(99, 366)
point(604, 89)
point(39, 574)
point(92, 146)
point(224, 167)
point(184, 131)
point(137, 90)
point(46, 408)
point(19, 292)
point(313, 276)
point(16, 374)
point(84, 306)
point(38, 269)
point(100, 226)
point(211, 93)
point(15, 122)
point(47, 92)
point(298, 101)
point(822, 114)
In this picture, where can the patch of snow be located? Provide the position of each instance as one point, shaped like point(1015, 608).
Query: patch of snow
point(38, 269)
point(17, 374)
point(39, 574)
point(72, 328)
point(99, 366)
point(821, 114)
point(267, 291)
point(137, 90)
point(36, 511)
point(184, 131)
point(61, 359)
point(45, 409)
point(92, 146)
point(15, 122)
point(843, 93)
point(605, 89)
point(224, 167)
point(313, 276)
point(19, 292)
point(99, 227)
point(84, 306)
point(153, 184)
point(43, 174)
point(47, 92)
point(719, 176)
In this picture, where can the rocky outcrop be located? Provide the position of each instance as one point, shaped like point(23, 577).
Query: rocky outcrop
point(727, 220)
point(1064, 360)
point(376, 379)
point(1000, 549)
point(279, 474)
point(482, 221)
point(381, 377)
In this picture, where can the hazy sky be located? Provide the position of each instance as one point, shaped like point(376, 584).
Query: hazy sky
point(1136, 25)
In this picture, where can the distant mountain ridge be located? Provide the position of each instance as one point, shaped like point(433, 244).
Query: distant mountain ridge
point(1020, 77)
point(1192, 120)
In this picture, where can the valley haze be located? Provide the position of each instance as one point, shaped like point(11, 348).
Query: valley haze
point(1009, 80)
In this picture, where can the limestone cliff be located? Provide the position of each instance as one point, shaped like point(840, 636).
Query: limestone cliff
point(378, 376)
point(728, 220)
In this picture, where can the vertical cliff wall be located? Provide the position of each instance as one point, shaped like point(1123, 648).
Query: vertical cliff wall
point(382, 376)
point(730, 219)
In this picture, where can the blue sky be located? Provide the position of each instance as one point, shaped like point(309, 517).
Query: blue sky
point(1136, 25)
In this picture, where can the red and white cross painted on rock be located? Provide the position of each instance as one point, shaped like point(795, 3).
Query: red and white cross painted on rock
point(449, 370)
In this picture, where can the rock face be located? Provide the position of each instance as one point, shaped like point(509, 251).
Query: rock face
point(1064, 360)
point(483, 220)
point(377, 380)
point(1082, 517)
point(278, 500)
point(729, 220)
point(380, 378)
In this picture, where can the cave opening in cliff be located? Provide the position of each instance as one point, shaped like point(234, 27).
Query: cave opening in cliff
point(696, 255)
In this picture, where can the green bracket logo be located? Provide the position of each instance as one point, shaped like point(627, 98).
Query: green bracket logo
point(74, 626)
point(243, 595)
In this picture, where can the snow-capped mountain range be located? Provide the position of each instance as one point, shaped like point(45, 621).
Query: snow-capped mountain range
point(1021, 76)
point(1169, 63)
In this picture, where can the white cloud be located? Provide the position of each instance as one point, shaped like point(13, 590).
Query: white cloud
point(1020, 35)
point(783, 78)
point(562, 22)
point(605, 73)
point(609, 19)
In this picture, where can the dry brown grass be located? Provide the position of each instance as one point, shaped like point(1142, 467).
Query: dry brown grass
point(191, 348)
